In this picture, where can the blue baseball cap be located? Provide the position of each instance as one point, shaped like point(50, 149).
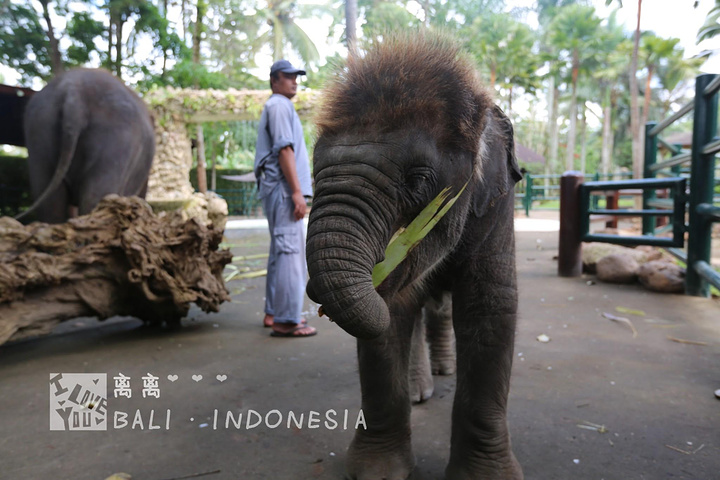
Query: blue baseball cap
point(285, 67)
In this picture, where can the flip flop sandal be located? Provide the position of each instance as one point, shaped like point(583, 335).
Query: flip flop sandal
point(294, 332)
point(302, 322)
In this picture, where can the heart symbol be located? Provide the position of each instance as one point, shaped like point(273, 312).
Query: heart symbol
point(172, 378)
point(96, 381)
point(221, 378)
point(98, 421)
point(197, 378)
point(61, 403)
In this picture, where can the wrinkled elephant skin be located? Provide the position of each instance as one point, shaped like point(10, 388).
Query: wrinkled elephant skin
point(88, 136)
point(399, 125)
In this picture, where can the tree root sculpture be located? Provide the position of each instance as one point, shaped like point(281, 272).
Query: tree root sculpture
point(121, 259)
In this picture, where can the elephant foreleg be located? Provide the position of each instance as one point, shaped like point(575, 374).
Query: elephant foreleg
point(384, 450)
point(480, 443)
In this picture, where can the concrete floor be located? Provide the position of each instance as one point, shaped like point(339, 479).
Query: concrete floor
point(592, 403)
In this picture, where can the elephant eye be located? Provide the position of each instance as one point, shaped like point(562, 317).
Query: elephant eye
point(419, 177)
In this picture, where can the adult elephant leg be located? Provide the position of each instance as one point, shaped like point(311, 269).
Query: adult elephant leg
point(440, 334)
point(42, 162)
point(421, 381)
point(484, 317)
point(110, 170)
point(384, 450)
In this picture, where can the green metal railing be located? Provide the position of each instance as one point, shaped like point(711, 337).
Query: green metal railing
point(677, 186)
point(543, 188)
point(700, 199)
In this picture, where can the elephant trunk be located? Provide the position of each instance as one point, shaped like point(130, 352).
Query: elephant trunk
point(341, 256)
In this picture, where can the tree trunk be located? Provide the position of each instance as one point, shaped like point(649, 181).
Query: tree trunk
point(510, 95)
point(213, 170)
point(197, 38)
point(570, 153)
point(493, 76)
point(197, 34)
point(637, 146)
point(165, 53)
point(648, 93)
point(554, 130)
point(277, 40)
point(201, 170)
point(120, 259)
point(55, 57)
point(605, 157)
point(111, 35)
point(583, 140)
point(118, 47)
point(184, 20)
point(350, 26)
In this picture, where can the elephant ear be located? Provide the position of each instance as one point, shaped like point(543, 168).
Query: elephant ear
point(498, 168)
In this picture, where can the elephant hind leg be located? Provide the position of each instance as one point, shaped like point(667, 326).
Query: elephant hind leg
point(420, 378)
point(440, 333)
point(55, 209)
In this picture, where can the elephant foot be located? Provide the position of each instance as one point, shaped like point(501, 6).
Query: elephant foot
point(369, 459)
point(442, 363)
point(505, 468)
point(421, 386)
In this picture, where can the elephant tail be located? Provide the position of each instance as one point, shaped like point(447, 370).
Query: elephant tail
point(73, 120)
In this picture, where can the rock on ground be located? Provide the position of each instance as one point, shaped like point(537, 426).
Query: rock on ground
point(662, 276)
point(617, 268)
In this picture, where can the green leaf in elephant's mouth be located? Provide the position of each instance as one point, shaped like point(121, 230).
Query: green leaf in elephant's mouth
point(407, 238)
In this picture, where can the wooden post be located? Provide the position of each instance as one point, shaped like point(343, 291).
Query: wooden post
point(611, 203)
point(570, 245)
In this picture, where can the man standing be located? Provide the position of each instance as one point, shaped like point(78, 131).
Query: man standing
point(283, 173)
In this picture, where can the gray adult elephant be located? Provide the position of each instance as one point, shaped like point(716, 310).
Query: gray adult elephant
point(88, 135)
point(398, 126)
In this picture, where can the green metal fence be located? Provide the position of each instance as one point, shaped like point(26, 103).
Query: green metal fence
point(242, 200)
point(691, 188)
point(536, 190)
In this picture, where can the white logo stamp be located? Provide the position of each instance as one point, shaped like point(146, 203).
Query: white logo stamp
point(78, 401)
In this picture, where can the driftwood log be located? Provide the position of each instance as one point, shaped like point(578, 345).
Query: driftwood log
point(121, 259)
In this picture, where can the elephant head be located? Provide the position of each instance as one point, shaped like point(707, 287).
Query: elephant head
point(394, 131)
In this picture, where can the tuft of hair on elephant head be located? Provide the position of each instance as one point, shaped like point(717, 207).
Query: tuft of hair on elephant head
point(398, 126)
point(87, 135)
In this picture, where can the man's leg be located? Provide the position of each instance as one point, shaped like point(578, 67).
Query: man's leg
point(291, 272)
point(269, 208)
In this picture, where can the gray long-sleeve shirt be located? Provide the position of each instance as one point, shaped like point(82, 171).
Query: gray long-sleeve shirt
point(280, 127)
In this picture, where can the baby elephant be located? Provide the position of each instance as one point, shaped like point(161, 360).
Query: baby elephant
point(398, 126)
point(87, 135)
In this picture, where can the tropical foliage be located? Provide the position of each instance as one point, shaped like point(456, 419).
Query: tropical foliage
point(567, 83)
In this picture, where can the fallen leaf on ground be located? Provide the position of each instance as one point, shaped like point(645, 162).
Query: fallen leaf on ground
point(592, 426)
point(256, 273)
point(687, 342)
point(630, 311)
point(623, 320)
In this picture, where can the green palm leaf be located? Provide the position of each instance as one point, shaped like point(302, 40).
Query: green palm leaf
point(407, 238)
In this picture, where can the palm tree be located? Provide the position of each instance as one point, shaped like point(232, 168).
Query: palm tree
point(674, 76)
point(615, 50)
point(487, 39)
point(518, 63)
point(280, 15)
point(711, 27)
point(575, 31)
point(655, 51)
